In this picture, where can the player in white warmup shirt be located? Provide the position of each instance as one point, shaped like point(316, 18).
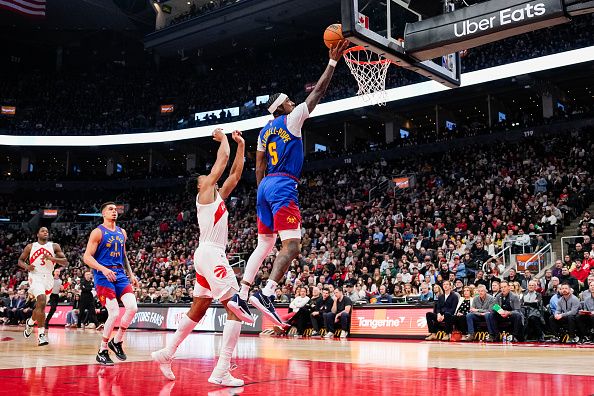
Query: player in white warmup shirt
point(215, 278)
point(40, 259)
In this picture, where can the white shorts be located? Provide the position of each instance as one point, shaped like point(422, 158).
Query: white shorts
point(214, 276)
point(41, 284)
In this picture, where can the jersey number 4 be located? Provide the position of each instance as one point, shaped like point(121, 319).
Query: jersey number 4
point(272, 152)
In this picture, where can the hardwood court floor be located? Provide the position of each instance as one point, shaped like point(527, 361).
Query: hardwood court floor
point(281, 366)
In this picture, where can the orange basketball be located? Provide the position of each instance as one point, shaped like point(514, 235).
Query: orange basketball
point(332, 35)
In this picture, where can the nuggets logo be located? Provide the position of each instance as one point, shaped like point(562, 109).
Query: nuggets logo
point(220, 271)
point(291, 220)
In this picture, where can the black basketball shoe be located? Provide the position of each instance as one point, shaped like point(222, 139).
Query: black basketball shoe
point(103, 358)
point(116, 347)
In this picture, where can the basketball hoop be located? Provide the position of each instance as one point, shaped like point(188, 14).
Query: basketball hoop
point(370, 71)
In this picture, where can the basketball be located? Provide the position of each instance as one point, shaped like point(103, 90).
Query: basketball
point(332, 35)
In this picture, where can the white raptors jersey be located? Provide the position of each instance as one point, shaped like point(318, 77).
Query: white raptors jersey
point(42, 267)
point(212, 221)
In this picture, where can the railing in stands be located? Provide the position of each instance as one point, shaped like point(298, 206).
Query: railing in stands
point(541, 254)
point(565, 238)
point(487, 268)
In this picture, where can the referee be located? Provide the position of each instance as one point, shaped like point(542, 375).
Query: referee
point(54, 297)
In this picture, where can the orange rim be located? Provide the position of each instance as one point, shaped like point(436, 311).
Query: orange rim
point(359, 62)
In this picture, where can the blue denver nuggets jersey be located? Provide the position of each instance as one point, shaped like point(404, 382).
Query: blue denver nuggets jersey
point(284, 151)
point(110, 251)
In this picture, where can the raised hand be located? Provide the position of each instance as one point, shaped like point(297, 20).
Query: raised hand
point(337, 51)
point(218, 135)
point(236, 135)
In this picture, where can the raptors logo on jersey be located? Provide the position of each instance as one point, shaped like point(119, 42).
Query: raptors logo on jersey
point(38, 251)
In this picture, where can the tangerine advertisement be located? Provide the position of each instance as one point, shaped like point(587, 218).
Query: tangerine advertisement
point(390, 322)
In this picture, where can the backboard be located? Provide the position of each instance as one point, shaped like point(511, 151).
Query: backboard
point(379, 25)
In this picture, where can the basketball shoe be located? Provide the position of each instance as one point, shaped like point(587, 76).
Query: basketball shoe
point(224, 378)
point(240, 308)
point(116, 347)
point(103, 358)
point(28, 329)
point(264, 304)
point(42, 340)
point(162, 357)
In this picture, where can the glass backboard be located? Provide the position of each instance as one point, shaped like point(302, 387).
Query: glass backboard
point(379, 25)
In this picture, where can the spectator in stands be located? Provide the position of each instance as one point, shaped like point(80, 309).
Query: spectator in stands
point(323, 306)
point(514, 276)
point(579, 272)
point(533, 312)
point(72, 315)
point(443, 313)
point(585, 318)
point(565, 314)
point(481, 304)
point(546, 280)
point(426, 294)
point(521, 243)
point(351, 292)
point(578, 253)
point(28, 308)
point(462, 309)
point(495, 288)
point(300, 308)
point(510, 311)
point(572, 281)
point(341, 311)
point(383, 297)
point(557, 270)
point(437, 292)
point(16, 303)
point(527, 278)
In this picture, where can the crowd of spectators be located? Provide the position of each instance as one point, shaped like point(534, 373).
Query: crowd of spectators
point(466, 204)
point(50, 103)
point(195, 10)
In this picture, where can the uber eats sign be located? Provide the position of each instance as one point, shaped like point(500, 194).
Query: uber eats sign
point(504, 17)
point(480, 24)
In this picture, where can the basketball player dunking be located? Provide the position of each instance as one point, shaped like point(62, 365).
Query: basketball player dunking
point(42, 256)
point(106, 255)
point(279, 159)
point(214, 276)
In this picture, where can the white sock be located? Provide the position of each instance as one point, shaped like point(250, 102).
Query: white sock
point(30, 322)
point(263, 249)
point(186, 325)
point(103, 346)
point(41, 330)
point(230, 337)
point(270, 287)
point(244, 292)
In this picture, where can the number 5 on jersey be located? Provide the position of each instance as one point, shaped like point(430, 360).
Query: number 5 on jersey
point(272, 152)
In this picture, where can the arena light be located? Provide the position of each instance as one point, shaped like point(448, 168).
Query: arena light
point(410, 91)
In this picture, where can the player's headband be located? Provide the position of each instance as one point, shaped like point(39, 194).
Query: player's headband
point(281, 98)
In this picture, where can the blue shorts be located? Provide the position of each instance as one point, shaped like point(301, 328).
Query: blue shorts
point(112, 290)
point(278, 205)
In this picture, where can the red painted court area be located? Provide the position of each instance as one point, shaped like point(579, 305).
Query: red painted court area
point(284, 377)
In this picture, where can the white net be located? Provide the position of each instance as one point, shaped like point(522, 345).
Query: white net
point(370, 71)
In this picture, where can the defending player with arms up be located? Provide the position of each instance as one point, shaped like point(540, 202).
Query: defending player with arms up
point(214, 276)
point(279, 160)
point(42, 257)
point(106, 255)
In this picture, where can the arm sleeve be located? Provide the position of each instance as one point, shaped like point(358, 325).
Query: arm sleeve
point(259, 145)
point(296, 119)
